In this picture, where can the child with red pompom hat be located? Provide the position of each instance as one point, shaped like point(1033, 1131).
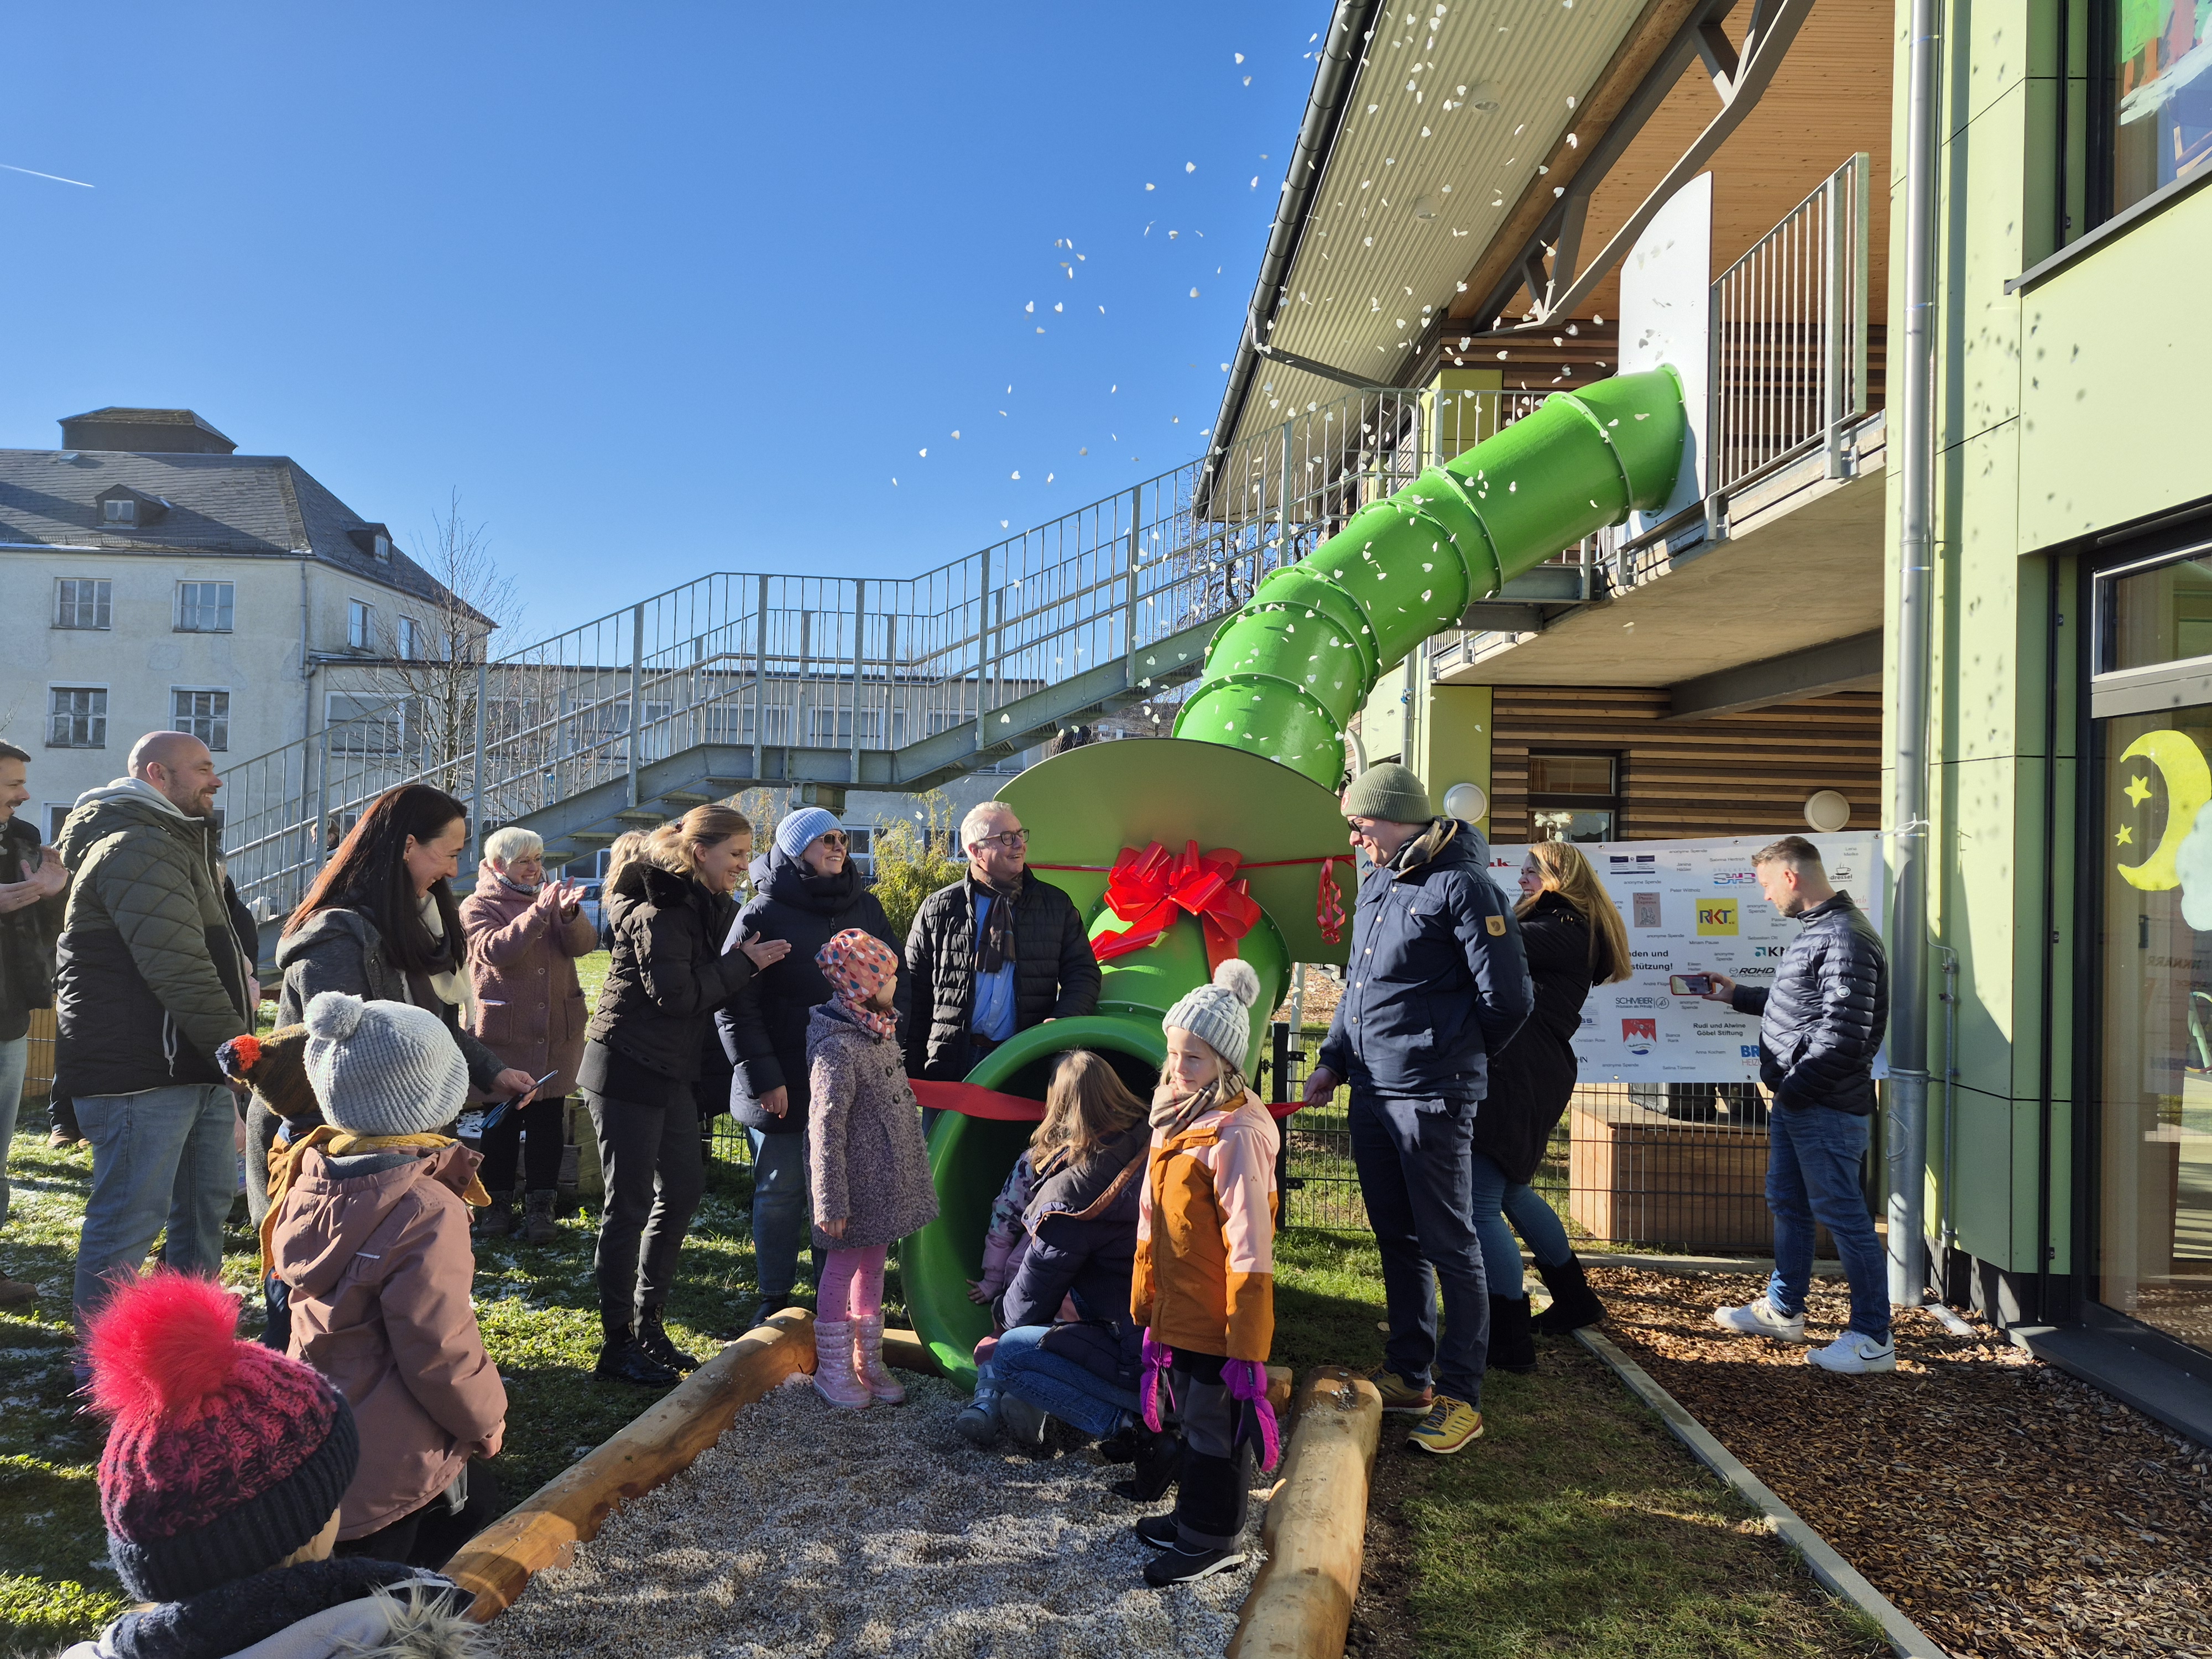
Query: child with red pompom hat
point(220, 1486)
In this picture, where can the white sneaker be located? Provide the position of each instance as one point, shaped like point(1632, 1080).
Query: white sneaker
point(1760, 1318)
point(1855, 1354)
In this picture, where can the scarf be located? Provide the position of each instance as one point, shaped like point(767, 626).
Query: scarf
point(994, 940)
point(284, 1168)
point(1171, 1117)
point(452, 983)
point(250, 1610)
point(514, 887)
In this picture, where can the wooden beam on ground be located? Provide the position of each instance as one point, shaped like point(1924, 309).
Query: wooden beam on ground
point(543, 1531)
point(1315, 1534)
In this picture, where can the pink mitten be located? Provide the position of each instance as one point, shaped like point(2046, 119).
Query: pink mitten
point(1158, 1356)
point(1247, 1382)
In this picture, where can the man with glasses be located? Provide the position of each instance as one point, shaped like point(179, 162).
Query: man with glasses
point(996, 952)
point(1437, 981)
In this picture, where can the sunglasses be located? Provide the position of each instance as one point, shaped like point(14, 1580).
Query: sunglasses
point(835, 837)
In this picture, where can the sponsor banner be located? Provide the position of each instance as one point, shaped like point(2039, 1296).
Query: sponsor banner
point(1693, 907)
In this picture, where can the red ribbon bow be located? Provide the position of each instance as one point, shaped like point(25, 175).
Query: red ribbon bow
point(1148, 889)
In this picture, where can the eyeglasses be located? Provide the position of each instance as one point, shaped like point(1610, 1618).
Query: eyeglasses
point(1360, 826)
point(1012, 840)
point(835, 837)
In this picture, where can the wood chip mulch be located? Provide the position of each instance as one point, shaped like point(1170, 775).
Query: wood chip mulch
point(2012, 1511)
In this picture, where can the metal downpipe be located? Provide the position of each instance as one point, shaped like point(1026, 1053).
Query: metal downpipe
point(1906, 1140)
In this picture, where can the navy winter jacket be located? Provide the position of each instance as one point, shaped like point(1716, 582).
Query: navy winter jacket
point(1082, 1220)
point(1821, 1024)
point(1437, 977)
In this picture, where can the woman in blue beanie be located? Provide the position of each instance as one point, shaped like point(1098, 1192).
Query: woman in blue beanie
point(806, 890)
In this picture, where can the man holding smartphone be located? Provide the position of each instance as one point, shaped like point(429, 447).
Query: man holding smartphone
point(1820, 1028)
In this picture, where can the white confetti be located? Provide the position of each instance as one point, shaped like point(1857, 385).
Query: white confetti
point(1190, 166)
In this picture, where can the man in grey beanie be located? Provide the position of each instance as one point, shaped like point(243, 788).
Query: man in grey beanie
point(1438, 979)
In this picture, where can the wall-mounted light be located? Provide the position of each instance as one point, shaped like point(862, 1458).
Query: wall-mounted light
point(1826, 811)
point(1466, 802)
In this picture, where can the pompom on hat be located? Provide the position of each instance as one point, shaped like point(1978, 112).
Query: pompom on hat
point(384, 1068)
point(275, 1067)
point(223, 1457)
point(1219, 1015)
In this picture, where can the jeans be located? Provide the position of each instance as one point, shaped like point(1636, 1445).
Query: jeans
point(1052, 1383)
point(781, 1222)
point(1813, 1158)
point(1497, 1201)
point(1414, 1161)
point(15, 1064)
point(160, 1156)
point(649, 1157)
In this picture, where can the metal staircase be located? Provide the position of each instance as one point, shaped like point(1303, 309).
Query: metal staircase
point(825, 684)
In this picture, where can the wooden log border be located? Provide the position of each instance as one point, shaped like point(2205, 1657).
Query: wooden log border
point(1316, 1532)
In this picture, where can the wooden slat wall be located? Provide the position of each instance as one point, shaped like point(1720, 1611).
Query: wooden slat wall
point(1737, 774)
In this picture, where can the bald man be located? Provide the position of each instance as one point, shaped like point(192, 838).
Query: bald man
point(151, 981)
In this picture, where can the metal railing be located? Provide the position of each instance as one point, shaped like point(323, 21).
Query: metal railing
point(1789, 337)
point(764, 663)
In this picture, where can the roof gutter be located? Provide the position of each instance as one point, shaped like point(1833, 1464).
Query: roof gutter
point(1335, 71)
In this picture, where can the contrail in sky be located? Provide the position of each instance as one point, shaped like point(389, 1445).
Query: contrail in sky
point(56, 177)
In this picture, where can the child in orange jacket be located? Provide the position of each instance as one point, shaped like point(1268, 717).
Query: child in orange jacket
point(1205, 1281)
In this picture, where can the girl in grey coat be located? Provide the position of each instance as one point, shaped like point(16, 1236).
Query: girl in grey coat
point(866, 1167)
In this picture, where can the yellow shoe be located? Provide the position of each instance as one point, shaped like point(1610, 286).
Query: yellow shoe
point(1399, 1395)
point(1448, 1426)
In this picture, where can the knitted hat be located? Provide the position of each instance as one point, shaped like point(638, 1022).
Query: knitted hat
point(275, 1066)
point(1389, 792)
point(1219, 1015)
point(384, 1068)
point(224, 1456)
point(798, 831)
point(856, 964)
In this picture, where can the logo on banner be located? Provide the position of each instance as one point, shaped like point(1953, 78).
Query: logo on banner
point(1716, 918)
point(1747, 1051)
point(1638, 1035)
point(1733, 877)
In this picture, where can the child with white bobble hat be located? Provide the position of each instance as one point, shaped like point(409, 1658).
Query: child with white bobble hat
point(1204, 1285)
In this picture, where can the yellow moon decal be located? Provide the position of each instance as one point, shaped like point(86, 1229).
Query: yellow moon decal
point(2180, 763)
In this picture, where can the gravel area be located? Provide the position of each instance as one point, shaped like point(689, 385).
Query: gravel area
point(810, 1531)
point(2013, 1512)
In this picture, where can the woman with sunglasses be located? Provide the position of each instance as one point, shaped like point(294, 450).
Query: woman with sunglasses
point(806, 890)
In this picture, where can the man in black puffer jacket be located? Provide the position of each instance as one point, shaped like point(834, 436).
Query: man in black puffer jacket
point(1820, 1028)
point(976, 981)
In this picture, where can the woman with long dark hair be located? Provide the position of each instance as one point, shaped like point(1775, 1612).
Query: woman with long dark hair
point(380, 923)
point(1575, 938)
point(806, 890)
point(671, 914)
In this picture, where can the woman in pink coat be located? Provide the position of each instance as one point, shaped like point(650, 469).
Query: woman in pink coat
point(524, 935)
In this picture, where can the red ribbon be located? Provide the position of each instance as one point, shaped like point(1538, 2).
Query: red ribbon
point(974, 1100)
point(1328, 908)
point(1148, 889)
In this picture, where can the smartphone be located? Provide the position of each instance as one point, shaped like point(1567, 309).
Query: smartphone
point(493, 1113)
point(1690, 985)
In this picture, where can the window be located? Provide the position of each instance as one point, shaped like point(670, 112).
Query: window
point(361, 625)
point(382, 545)
point(860, 849)
point(120, 509)
point(205, 715)
point(81, 602)
point(203, 608)
point(1574, 797)
point(365, 725)
point(77, 717)
point(57, 815)
point(407, 641)
point(2159, 615)
point(2158, 120)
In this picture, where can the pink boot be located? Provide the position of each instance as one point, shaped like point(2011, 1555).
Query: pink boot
point(868, 1335)
point(835, 1377)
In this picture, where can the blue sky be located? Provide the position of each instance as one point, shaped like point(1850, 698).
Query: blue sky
point(659, 290)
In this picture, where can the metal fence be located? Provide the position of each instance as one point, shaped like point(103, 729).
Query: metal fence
point(1675, 1167)
point(765, 662)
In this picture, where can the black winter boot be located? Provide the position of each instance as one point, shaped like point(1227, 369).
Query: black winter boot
point(1153, 1469)
point(1573, 1305)
point(652, 1337)
point(621, 1360)
point(497, 1219)
point(538, 1226)
point(1511, 1347)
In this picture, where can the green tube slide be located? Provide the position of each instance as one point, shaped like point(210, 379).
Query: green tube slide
point(1254, 764)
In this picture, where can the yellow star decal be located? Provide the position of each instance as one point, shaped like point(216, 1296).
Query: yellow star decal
point(2138, 790)
point(2126, 837)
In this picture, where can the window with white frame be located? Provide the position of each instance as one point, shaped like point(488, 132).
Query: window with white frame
point(119, 509)
point(57, 815)
point(383, 547)
point(204, 607)
point(361, 625)
point(205, 715)
point(408, 643)
point(362, 725)
point(77, 717)
point(81, 602)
